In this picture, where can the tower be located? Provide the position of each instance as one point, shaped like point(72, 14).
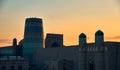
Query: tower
point(100, 54)
point(99, 37)
point(82, 39)
point(33, 36)
point(14, 42)
point(82, 52)
point(53, 40)
point(14, 46)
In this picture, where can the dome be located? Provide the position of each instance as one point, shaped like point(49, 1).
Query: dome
point(82, 35)
point(99, 32)
point(14, 39)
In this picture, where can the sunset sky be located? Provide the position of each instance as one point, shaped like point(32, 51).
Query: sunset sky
point(68, 17)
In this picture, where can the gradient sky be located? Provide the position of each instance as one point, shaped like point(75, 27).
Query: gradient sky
point(68, 17)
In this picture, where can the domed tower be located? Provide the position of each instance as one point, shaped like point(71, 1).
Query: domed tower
point(82, 39)
point(82, 55)
point(14, 42)
point(33, 36)
point(100, 55)
point(99, 37)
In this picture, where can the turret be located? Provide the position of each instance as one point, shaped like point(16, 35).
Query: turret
point(99, 37)
point(82, 54)
point(14, 42)
point(82, 39)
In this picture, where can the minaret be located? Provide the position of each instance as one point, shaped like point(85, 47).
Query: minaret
point(82, 39)
point(99, 38)
point(33, 35)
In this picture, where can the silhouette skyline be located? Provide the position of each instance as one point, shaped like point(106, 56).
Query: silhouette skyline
point(68, 17)
point(32, 54)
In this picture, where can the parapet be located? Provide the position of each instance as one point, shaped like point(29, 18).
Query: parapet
point(29, 20)
point(54, 35)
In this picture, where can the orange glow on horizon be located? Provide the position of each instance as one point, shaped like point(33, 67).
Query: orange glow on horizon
point(72, 29)
point(62, 17)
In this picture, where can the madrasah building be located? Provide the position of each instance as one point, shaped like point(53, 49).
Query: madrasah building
point(29, 54)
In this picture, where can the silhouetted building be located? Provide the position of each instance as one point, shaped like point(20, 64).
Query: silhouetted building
point(56, 56)
point(33, 35)
point(33, 39)
point(14, 50)
point(85, 56)
point(53, 40)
